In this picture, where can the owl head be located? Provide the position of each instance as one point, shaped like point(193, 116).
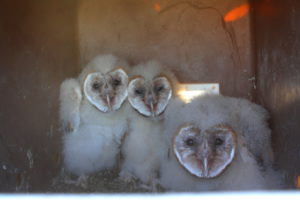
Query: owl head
point(150, 89)
point(205, 153)
point(105, 82)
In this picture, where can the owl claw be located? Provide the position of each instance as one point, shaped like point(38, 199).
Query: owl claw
point(126, 177)
point(152, 186)
point(69, 127)
point(82, 181)
point(145, 187)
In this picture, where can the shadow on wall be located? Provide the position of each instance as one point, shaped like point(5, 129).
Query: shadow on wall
point(38, 50)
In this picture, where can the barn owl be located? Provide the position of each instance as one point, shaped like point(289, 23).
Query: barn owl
point(92, 115)
point(149, 92)
point(217, 143)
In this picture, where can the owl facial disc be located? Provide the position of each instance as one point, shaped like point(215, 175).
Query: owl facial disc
point(106, 92)
point(149, 98)
point(205, 154)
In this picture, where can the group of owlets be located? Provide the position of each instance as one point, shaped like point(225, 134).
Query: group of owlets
point(211, 143)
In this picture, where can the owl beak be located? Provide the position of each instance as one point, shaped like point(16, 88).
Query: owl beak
point(108, 102)
point(152, 109)
point(107, 96)
point(150, 103)
point(204, 156)
point(205, 166)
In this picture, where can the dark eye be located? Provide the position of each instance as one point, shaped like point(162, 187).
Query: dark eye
point(116, 82)
point(139, 91)
point(218, 141)
point(160, 88)
point(190, 142)
point(96, 86)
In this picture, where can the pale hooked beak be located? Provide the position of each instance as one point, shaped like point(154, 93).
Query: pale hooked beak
point(108, 102)
point(152, 109)
point(205, 170)
point(204, 156)
point(107, 95)
point(151, 102)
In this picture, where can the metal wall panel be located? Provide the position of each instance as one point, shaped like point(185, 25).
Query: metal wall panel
point(276, 30)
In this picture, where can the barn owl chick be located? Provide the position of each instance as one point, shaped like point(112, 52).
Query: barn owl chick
point(217, 143)
point(91, 112)
point(205, 154)
point(149, 92)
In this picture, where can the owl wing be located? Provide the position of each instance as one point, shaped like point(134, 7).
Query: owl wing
point(70, 100)
point(253, 125)
point(246, 155)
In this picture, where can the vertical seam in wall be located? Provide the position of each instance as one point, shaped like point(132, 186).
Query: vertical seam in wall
point(253, 47)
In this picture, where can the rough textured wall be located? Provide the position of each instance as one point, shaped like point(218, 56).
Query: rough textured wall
point(276, 31)
point(188, 36)
point(38, 48)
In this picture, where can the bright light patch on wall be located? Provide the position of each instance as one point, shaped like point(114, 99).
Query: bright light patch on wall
point(237, 13)
point(187, 92)
point(157, 7)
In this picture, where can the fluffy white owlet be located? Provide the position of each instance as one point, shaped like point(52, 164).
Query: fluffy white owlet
point(217, 143)
point(149, 92)
point(92, 115)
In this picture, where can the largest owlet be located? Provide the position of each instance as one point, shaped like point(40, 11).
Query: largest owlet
point(217, 143)
point(92, 115)
point(150, 90)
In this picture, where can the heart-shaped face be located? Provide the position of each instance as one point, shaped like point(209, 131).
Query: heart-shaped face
point(149, 98)
point(108, 91)
point(205, 154)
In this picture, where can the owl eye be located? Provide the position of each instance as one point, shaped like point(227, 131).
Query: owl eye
point(96, 86)
point(139, 91)
point(160, 88)
point(190, 142)
point(116, 82)
point(218, 141)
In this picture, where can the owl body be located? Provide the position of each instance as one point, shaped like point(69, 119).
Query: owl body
point(217, 143)
point(93, 115)
point(149, 93)
point(90, 149)
point(142, 149)
point(240, 175)
point(95, 145)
